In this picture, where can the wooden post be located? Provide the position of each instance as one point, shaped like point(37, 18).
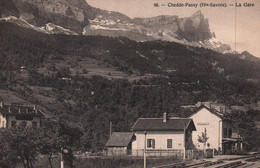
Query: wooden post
point(110, 129)
point(184, 151)
point(145, 149)
point(204, 144)
point(61, 160)
point(219, 140)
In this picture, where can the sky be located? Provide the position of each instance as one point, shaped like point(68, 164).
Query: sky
point(237, 26)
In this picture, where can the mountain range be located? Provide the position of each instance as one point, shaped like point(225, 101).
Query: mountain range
point(76, 17)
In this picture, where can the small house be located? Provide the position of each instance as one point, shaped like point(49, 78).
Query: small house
point(120, 143)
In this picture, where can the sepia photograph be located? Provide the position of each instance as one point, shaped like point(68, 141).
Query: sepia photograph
point(129, 83)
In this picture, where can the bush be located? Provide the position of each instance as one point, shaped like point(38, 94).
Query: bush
point(84, 71)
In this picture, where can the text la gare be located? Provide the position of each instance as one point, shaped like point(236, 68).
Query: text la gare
point(245, 5)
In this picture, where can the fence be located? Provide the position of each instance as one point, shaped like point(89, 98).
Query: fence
point(198, 154)
point(140, 153)
point(178, 154)
point(194, 154)
point(116, 151)
point(173, 153)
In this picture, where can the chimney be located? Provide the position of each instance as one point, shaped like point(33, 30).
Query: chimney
point(164, 117)
point(218, 108)
point(1, 104)
point(198, 104)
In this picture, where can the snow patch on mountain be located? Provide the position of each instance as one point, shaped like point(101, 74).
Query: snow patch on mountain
point(58, 29)
point(105, 28)
point(8, 18)
point(102, 22)
point(49, 28)
point(23, 23)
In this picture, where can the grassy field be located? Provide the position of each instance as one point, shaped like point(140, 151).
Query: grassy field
point(87, 67)
point(11, 97)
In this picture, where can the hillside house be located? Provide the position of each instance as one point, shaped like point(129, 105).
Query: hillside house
point(120, 143)
point(162, 135)
point(222, 134)
point(14, 114)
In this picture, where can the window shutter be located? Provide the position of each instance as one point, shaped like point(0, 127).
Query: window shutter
point(149, 143)
point(153, 143)
point(230, 132)
point(225, 132)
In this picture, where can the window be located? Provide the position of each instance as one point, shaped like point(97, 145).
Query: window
point(24, 117)
point(150, 143)
point(225, 132)
point(13, 123)
point(230, 132)
point(34, 124)
point(24, 123)
point(169, 143)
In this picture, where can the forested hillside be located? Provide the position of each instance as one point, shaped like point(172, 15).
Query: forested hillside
point(158, 76)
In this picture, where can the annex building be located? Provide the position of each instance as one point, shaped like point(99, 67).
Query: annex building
point(222, 134)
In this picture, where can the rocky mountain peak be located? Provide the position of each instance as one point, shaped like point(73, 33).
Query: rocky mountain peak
point(248, 56)
point(157, 20)
point(70, 14)
point(195, 28)
point(198, 18)
point(197, 14)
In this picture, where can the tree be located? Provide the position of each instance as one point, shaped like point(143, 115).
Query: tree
point(50, 142)
point(19, 144)
point(70, 136)
point(245, 122)
point(7, 158)
point(65, 71)
point(22, 144)
point(203, 139)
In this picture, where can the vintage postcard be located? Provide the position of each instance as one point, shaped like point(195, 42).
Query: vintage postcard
point(129, 83)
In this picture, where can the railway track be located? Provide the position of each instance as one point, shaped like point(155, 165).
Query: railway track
point(240, 162)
